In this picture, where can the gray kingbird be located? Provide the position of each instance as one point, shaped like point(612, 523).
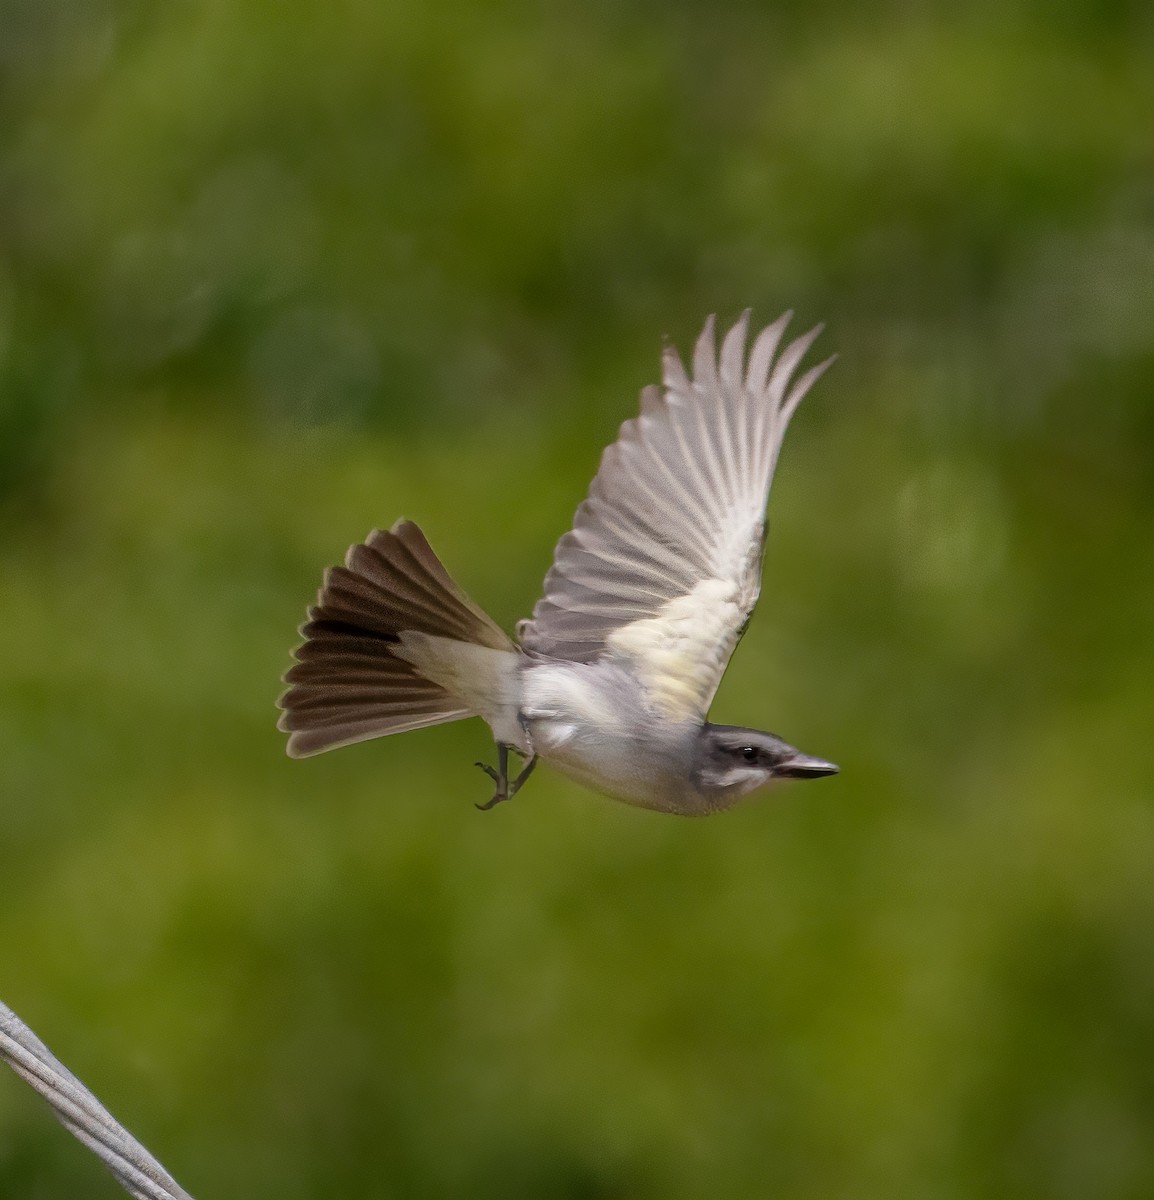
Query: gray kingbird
point(611, 678)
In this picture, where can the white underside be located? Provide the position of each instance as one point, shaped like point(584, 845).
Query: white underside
point(591, 722)
point(594, 722)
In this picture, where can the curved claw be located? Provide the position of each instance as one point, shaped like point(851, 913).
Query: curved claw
point(506, 788)
point(490, 771)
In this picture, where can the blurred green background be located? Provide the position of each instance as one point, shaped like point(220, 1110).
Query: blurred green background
point(274, 273)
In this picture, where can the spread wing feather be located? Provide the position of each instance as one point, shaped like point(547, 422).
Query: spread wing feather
point(662, 567)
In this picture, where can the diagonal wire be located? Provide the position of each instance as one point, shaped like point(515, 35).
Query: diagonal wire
point(81, 1113)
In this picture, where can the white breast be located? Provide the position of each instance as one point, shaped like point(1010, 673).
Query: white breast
point(590, 721)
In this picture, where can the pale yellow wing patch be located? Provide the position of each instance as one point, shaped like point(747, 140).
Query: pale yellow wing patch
point(680, 653)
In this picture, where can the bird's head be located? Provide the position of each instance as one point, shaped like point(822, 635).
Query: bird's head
point(733, 761)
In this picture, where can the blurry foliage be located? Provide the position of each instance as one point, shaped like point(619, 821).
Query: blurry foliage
point(273, 273)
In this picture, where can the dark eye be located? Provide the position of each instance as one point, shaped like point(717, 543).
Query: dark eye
point(749, 753)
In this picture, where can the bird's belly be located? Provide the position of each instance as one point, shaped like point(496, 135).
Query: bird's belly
point(588, 725)
point(623, 768)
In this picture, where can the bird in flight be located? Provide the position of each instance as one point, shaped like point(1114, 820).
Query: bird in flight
point(611, 678)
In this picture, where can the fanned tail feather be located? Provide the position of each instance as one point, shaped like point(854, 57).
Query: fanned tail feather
point(348, 685)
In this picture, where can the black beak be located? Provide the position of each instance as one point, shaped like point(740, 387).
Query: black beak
point(803, 766)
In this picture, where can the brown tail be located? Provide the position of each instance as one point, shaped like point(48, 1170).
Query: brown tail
point(347, 684)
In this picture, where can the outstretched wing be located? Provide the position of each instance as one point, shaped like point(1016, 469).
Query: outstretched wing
point(662, 567)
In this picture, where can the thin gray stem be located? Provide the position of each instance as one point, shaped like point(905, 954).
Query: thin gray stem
point(82, 1114)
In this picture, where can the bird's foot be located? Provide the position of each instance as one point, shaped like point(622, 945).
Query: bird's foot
point(506, 788)
point(502, 792)
point(499, 775)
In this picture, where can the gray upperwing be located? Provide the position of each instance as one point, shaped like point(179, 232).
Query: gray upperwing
point(662, 566)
